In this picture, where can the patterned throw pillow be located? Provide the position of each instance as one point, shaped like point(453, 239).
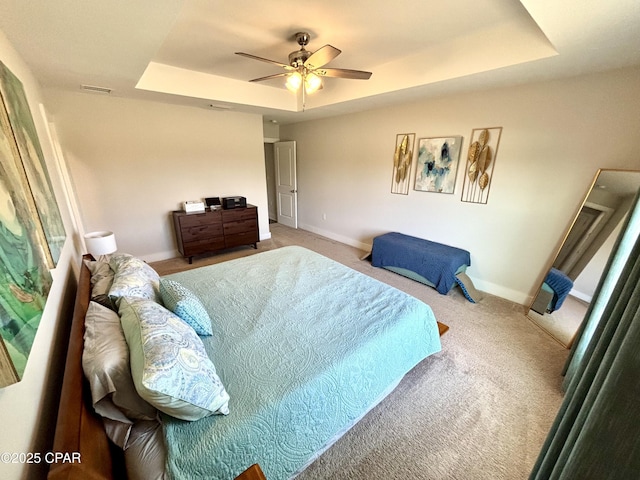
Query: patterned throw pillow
point(133, 278)
point(169, 365)
point(183, 302)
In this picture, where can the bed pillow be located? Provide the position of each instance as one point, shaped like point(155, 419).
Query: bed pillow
point(169, 365)
point(183, 302)
point(145, 456)
point(105, 362)
point(133, 278)
point(101, 281)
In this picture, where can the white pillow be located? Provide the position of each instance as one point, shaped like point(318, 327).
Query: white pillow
point(169, 365)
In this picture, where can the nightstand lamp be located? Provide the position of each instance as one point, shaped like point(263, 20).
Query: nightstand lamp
point(100, 244)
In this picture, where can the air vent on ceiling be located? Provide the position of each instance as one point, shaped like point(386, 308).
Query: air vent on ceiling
point(95, 89)
point(214, 106)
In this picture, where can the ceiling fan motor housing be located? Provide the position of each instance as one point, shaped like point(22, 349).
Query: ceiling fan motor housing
point(297, 58)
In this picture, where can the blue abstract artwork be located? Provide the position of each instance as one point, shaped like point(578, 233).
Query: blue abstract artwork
point(437, 166)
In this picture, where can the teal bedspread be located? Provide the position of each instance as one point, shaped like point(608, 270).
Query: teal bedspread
point(304, 346)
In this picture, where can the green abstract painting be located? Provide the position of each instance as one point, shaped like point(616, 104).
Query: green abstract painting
point(30, 152)
point(31, 229)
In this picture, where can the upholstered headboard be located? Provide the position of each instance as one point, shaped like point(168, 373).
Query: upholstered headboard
point(79, 430)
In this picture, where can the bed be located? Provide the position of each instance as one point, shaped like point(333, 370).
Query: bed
point(303, 347)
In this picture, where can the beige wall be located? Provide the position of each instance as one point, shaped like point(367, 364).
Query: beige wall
point(555, 137)
point(28, 409)
point(133, 162)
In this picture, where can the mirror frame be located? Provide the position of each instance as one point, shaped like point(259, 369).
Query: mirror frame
point(568, 231)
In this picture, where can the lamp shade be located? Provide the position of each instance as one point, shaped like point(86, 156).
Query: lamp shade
point(100, 243)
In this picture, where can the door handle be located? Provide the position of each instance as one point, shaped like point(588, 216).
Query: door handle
point(294, 191)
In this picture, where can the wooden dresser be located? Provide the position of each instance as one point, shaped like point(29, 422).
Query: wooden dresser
point(210, 231)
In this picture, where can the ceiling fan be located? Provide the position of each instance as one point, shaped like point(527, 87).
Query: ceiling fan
point(306, 68)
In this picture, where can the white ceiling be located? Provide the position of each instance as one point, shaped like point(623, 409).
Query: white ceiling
point(182, 51)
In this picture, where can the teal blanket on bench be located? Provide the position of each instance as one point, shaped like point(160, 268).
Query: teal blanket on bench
point(304, 346)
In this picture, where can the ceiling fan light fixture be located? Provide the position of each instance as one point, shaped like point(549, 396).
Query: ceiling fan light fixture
point(312, 83)
point(294, 81)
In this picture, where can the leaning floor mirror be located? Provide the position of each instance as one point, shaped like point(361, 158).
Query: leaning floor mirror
point(562, 299)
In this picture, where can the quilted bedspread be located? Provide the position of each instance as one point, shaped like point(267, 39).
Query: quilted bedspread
point(304, 346)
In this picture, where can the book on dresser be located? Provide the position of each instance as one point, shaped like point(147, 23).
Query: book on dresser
point(212, 230)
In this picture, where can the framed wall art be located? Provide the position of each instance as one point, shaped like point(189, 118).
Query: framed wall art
point(437, 164)
point(481, 160)
point(27, 252)
point(402, 159)
point(30, 155)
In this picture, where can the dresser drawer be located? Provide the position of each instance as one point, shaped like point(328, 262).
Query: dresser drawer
point(203, 245)
point(242, 238)
point(190, 234)
point(242, 226)
point(239, 215)
point(198, 219)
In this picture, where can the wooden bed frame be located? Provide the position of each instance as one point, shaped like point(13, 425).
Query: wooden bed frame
point(79, 429)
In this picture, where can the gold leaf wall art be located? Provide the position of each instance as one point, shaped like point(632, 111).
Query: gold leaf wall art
point(483, 181)
point(473, 171)
point(480, 163)
point(402, 159)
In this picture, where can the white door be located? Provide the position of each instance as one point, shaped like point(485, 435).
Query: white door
point(286, 183)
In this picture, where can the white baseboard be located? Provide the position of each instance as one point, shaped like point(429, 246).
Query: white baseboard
point(159, 256)
point(487, 287)
point(581, 296)
point(336, 237)
point(500, 291)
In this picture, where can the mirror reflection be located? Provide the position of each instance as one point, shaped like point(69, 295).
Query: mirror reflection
point(564, 296)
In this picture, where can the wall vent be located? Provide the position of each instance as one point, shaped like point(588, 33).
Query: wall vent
point(95, 89)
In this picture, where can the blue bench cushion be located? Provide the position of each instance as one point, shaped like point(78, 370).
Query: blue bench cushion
point(561, 285)
point(436, 262)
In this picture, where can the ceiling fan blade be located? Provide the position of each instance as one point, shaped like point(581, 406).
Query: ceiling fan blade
point(321, 57)
point(343, 73)
point(248, 55)
point(269, 77)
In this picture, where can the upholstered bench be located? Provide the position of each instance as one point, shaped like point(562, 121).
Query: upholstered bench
point(555, 289)
point(431, 263)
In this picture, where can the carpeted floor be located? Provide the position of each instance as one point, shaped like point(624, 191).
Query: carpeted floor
point(479, 409)
point(562, 324)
